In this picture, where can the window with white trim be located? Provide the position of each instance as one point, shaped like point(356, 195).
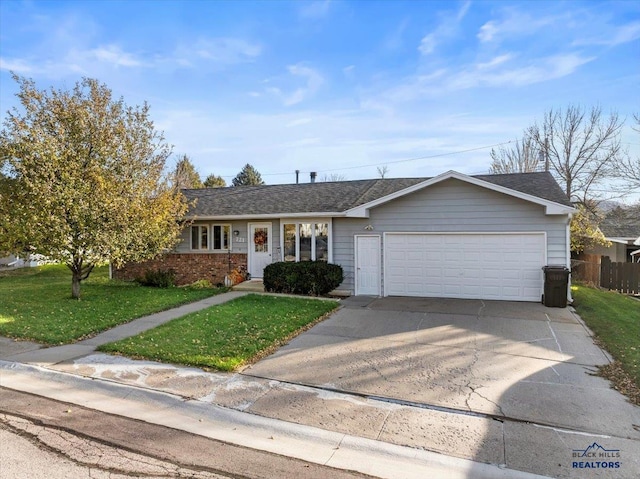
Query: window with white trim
point(305, 240)
point(199, 237)
point(220, 237)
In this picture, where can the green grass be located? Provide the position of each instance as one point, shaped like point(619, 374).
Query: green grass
point(226, 336)
point(36, 304)
point(615, 320)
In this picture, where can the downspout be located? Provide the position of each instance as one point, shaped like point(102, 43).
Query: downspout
point(568, 241)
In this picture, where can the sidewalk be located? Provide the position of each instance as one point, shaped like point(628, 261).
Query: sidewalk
point(213, 404)
point(32, 353)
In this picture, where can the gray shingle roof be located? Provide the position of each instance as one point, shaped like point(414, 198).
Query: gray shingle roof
point(340, 196)
point(621, 223)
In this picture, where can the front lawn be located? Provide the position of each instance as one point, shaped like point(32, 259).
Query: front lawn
point(615, 320)
point(36, 303)
point(226, 336)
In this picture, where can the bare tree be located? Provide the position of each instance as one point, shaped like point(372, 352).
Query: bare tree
point(627, 168)
point(524, 157)
point(581, 146)
point(382, 171)
point(333, 177)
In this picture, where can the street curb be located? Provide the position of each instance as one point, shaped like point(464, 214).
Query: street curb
point(307, 443)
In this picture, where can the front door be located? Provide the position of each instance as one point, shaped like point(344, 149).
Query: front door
point(368, 265)
point(259, 248)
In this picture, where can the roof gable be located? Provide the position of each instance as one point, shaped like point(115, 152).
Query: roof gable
point(552, 207)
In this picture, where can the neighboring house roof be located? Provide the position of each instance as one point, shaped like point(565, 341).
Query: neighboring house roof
point(340, 197)
point(621, 223)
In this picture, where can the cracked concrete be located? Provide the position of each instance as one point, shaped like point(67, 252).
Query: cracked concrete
point(68, 455)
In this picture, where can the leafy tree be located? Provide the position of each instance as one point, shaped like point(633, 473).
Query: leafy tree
point(84, 179)
point(581, 147)
point(213, 181)
point(247, 176)
point(584, 230)
point(524, 157)
point(185, 175)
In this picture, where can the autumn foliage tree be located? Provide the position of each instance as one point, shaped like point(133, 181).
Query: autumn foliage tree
point(83, 179)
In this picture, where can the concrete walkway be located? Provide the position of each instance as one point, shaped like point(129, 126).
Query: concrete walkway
point(32, 353)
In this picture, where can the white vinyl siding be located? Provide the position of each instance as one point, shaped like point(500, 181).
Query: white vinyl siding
point(450, 206)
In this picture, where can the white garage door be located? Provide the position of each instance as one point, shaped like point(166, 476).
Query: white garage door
point(476, 266)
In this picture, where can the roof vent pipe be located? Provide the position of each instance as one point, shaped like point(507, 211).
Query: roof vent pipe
point(297, 176)
point(313, 176)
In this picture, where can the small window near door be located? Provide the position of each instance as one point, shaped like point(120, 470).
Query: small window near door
point(289, 242)
point(199, 237)
point(221, 237)
point(322, 242)
point(305, 242)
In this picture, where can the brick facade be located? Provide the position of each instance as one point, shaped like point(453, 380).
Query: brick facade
point(188, 267)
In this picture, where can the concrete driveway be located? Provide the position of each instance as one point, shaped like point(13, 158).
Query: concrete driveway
point(517, 362)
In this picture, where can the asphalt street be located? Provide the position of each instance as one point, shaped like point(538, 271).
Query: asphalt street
point(46, 439)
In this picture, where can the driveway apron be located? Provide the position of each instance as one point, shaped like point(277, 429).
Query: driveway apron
point(516, 361)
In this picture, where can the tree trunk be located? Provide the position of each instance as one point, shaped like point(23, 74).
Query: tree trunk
point(79, 272)
point(75, 284)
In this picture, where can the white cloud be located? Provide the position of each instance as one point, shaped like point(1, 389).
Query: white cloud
point(494, 62)
point(488, 31)
point(226, 51)
point(446, 29)
point(313, 81)
point(349, 72)
point(394, 39)
point(16, 65)
point(612, 36)
point(515, 24)
point(540, 70)
point(114, 55)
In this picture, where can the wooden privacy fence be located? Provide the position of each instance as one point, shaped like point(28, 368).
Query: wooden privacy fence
point(586, 268)
point(623, 277)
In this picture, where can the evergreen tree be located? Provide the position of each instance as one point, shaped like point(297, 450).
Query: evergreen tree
point(248, 176)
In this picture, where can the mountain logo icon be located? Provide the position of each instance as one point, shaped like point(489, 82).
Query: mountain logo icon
point(593, 449)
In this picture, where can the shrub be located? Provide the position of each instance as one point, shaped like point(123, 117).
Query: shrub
point(201, 284)
point(306, 277)
point(158, 278)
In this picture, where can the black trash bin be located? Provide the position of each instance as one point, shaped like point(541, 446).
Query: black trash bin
point(556, 282)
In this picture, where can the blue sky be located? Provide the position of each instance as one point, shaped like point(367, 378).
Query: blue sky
point(329, 86)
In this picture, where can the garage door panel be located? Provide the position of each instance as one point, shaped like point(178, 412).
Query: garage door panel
point(485, 266)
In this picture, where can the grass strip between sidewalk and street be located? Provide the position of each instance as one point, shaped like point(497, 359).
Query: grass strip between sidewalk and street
point(227, 336)
point(36, 303)
point(615, 320)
